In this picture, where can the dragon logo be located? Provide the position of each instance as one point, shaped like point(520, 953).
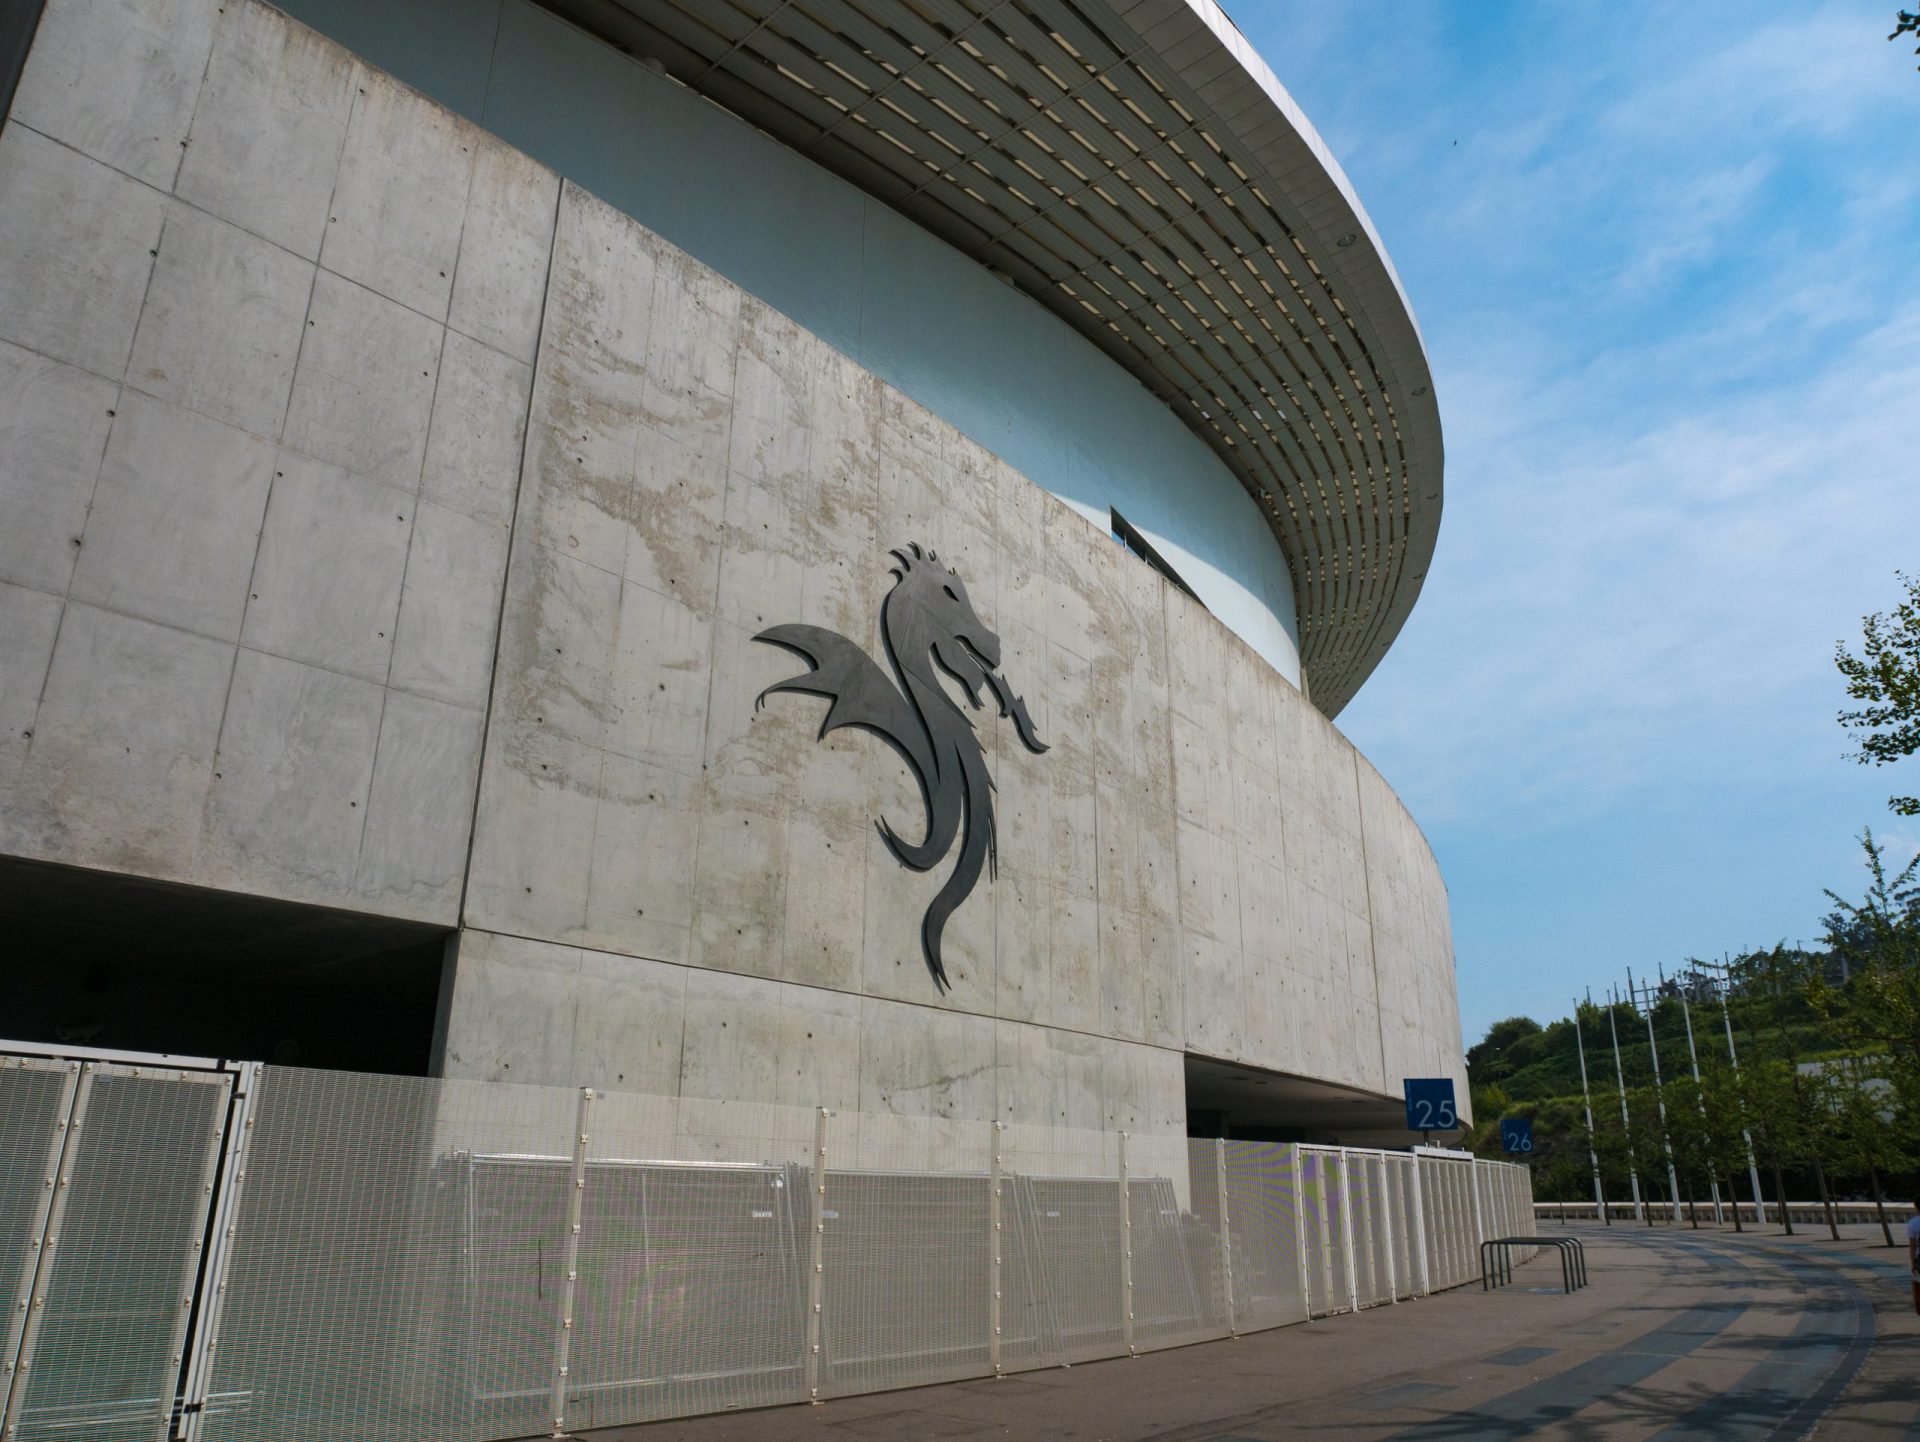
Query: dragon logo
point(925, 621)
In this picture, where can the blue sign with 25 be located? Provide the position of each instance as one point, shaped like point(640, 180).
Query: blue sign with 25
point(1430, 1105)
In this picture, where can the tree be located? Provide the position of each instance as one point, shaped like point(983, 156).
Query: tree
point(1878, 1012)
point(1907, 24)
point(1867, 1130)
point(1886, 677)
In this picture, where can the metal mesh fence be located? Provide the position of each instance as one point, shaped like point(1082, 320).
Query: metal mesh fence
point(100, 1356)
point(1264, 1201)
point(35, 1098)
point(378, 1286)
point(462, 1260)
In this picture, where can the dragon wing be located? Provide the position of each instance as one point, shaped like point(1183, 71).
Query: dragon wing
point(861, 693)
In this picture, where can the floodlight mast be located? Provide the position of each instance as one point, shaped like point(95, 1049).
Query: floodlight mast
point(1593, 1155)
point(1700, 1096)
point(1660, 1100)
point(1626, 1127)
point(1753, 1166)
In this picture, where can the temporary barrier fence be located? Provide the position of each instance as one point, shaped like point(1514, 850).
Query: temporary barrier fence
point(241, 1253)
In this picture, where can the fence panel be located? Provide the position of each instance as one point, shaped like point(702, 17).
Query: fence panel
point(694, 1252)
point(909, 1253)
point(1264, 1201)
point(36, 1097)
point(398, 1252)
point(102, 1349)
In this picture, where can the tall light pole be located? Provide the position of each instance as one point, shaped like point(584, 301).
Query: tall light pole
point(1626, 1128)
point(1700, 1095)
point(1599, 1192)
point(1753, 1167)
point(1666, 1142)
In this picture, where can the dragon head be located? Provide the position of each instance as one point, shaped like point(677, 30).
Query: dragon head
point(929, 612)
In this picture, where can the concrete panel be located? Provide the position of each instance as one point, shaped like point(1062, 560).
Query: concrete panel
point(764, 1040)
point(401, 197)
point(924, 1062)
point(500, 284)
point(677, 504)
point(117, 80)
point(77, 242)
point(449, 605)
point(221, 326)
point(771, 430)
point(513, 1008)
point(29, 621)
point(363, 390)
point(123, 747)
point(826, 904)
point(413, 854)
point(478, 427)
point(662, 668)
point(629, 1026)
point(740, 891)
point(326, 589)
point(687, 386)
point(53, 433)
point(267, 131)
point(640, 883)
point(1049, 1078)
point(176, 519)
point(578, 471)
point(533, 843)
point(291, 782)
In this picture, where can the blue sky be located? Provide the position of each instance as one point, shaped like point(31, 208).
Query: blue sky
point(1665, 261)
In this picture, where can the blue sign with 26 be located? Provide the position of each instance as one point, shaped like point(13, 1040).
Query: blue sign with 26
point(1516, 1134)
point(1430, 1105)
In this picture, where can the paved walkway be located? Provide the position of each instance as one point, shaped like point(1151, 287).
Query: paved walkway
point(1684, 1336)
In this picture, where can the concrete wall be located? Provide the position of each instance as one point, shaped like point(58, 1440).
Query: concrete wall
point(384, 523)
point(1004, 370)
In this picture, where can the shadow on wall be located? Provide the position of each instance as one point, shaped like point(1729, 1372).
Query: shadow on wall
point(868, 281)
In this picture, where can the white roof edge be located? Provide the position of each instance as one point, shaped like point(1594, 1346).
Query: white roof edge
point(1229, 35)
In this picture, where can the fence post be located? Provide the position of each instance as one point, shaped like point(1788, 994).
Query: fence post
point(1420, 1229)
point(994, 1216)
point(1126, 1250)
point(1300, 1226)
point(816, 1253)
point(1386, 1225)
point(1346, 1229)
point(1226, 1234)
point(206, 1338)
point(570, 1276)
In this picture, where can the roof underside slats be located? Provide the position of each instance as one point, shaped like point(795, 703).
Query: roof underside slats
point(1220, 260)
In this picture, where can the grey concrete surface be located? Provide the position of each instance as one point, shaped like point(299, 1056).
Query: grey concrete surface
point(388, 527)
point(1682, 1334)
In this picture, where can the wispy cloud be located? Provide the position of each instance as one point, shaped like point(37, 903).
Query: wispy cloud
point(1663, 258)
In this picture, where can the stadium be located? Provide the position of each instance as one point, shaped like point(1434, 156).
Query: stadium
point(621, 604)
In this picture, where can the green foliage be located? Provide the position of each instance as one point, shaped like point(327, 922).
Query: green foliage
point(1886, 677)
point(1908, 23)
point(1828, 1082)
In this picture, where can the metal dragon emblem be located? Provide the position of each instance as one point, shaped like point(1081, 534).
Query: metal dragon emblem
point(925, 621)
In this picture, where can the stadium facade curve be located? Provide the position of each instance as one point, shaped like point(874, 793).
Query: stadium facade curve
point(412, 417)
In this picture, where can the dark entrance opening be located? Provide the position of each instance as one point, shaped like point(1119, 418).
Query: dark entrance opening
point(1249, 1103)
point(118, 962)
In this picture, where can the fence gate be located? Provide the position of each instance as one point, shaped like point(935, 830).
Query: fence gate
point(108, 1177)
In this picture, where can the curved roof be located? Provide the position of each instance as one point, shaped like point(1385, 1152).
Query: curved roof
point(1134, 165)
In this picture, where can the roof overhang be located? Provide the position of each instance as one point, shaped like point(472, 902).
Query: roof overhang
point(1136, 167)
